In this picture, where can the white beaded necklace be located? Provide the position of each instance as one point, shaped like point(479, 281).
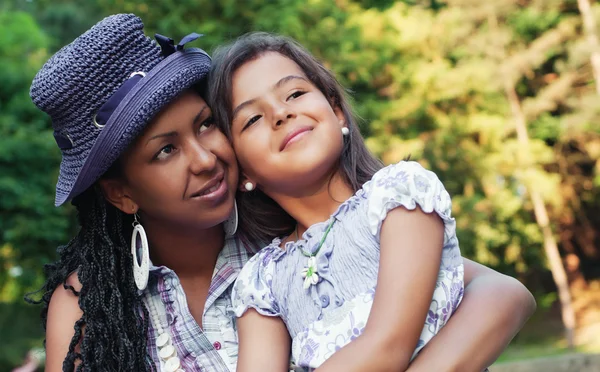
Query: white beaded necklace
point(166, 350)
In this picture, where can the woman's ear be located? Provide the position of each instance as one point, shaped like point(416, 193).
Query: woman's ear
point(117, 194)
point(246, 184)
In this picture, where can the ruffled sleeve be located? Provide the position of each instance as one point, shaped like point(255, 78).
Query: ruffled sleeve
point(407, 184)
point(252, 288)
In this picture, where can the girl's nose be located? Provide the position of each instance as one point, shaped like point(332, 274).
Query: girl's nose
point(282, 114)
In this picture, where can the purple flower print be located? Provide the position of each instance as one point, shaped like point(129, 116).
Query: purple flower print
point(355, 332)
point(421, 183)
point(340, 342)
point(446, 311)
point(355, 329)
point(432, 318)
point(456, 294)
point(308, 352)
point(392, 180)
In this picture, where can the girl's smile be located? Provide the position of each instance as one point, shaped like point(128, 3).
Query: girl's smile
point(295, 135)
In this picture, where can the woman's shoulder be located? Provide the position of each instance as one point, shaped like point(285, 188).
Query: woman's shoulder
point(63, 313)
point(65, 298)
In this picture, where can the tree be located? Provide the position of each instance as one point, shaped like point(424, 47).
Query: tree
point(592, 38)
point(30, 227)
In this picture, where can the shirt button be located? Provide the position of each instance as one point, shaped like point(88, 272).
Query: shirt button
point(217, 345)
point(324, 301)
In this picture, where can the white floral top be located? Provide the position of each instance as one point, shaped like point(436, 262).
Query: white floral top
point(327, 315)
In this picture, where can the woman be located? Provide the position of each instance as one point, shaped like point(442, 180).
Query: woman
point(139, 148)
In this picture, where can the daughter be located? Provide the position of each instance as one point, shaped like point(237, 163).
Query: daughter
point(351, 225)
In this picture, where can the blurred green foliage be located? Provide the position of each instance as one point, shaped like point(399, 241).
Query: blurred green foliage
point(424, 77)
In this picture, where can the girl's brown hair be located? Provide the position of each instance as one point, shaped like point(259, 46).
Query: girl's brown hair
point(261, 218)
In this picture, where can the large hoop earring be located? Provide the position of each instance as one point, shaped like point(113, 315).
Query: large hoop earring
point(230, 225)
point(141, 269)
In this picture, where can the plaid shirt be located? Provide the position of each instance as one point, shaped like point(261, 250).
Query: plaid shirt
point(214, 348)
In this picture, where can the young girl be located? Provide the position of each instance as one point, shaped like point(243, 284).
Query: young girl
point(352, 226)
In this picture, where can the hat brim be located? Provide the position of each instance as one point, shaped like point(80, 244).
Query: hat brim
point(161, 85)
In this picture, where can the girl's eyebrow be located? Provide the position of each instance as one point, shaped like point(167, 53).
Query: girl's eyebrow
point(277, 85)
point(285, 79)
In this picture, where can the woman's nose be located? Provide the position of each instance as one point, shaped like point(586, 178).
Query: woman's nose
point(201, 159)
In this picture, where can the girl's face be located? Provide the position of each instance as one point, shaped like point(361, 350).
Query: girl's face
point(181, 170)
point(286, 134)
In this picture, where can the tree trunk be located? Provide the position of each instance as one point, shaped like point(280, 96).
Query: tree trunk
point(589, 24)
point(541, 215)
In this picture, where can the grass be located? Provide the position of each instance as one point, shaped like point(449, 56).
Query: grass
point(542, 336)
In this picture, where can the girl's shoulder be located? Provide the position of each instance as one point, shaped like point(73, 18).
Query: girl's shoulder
point(401, 172)
point(405, 176)
point(407, 184)
point(261, 263)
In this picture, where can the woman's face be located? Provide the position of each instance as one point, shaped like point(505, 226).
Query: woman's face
point(285, 132)
point(181, 170)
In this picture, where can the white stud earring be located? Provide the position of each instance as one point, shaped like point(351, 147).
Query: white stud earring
point(249, 186)
point(231, 224)
point(345, 131)
point(140, 269)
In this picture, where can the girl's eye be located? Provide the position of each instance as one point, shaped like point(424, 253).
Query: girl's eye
point(207, 124)
point(165, 152)
point(296, 94)
point(252, 120)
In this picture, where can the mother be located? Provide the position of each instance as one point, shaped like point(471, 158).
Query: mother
point(139, 148)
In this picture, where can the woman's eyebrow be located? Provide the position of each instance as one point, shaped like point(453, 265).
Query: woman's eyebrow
point(199, 115)
point(162, 135)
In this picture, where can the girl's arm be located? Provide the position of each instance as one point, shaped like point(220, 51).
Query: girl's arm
point(493, 310)
point(407, 276)
point(264, 343)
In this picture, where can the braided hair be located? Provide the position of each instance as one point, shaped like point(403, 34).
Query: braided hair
point(115, 319)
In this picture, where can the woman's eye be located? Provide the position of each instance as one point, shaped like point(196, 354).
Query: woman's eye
point(207, 124)
point(165, 152)
point(296, 94)
point(252, 120)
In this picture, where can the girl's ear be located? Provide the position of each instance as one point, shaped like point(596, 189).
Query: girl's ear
point(339, 113)
point(117, 194)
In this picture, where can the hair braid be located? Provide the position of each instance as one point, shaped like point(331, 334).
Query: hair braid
point(115, 330)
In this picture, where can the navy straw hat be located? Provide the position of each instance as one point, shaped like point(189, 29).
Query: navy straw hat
point(104, 88)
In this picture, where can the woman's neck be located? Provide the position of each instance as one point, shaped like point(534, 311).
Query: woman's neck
point(191, 253)
point(318, 205)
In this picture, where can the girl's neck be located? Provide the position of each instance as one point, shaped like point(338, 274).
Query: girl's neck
point(191, 253)
point(318, 205)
